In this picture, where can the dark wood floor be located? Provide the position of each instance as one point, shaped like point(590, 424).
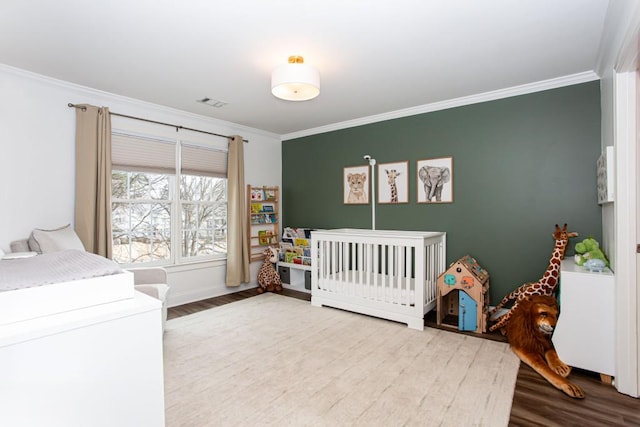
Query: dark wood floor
point(535, 402)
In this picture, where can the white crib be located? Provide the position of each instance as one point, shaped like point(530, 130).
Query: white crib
point(386, 274)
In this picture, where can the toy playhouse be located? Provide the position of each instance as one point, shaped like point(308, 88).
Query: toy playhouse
point(463, 296)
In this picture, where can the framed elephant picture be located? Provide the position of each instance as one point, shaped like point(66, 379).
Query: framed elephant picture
point(435, 180)
point(356, 185)
point(393, 184)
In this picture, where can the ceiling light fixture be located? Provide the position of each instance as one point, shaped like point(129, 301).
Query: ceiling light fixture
point(295, 81)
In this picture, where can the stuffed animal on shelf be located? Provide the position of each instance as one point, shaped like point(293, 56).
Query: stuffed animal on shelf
point(268, 277)
point(589, 249)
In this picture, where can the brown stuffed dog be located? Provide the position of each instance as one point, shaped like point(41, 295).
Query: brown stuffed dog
point(529, 331)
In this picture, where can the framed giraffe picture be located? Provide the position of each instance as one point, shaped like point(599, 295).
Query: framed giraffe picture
point(393, 183)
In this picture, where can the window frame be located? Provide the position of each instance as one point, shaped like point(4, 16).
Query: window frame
point(176, 257)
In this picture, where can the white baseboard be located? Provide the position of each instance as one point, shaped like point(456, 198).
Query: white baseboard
point(176, 299)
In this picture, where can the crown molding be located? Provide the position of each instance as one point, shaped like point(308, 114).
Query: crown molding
point(421, 109)
point(85, 91)
point(618, 43)
point(569, 80)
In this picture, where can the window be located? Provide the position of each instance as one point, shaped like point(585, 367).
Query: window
point(140, 217)
point(168, 200)
point(204, 215)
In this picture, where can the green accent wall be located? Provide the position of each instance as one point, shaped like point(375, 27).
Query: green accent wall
point(520, 166)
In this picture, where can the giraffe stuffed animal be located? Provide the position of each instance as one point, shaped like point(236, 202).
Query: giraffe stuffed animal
point(545, 286)
point(268, 278)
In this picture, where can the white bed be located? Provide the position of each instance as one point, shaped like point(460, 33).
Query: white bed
point(55, 283)
point(375, 272)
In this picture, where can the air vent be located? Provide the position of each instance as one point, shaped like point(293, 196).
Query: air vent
point(213, 102)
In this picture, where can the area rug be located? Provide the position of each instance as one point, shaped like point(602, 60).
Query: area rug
point(276, 360)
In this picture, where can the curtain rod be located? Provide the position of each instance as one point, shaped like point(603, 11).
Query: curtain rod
point(83, 108)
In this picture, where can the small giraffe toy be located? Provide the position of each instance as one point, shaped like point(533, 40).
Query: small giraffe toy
point(391, 179)
point(545, 286)
point(268, 278)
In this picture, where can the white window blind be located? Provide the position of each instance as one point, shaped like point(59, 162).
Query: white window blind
point(204, 161)
point(135, 153)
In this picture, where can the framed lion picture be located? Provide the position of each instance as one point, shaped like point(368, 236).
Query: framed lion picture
point(356, 185)
point(435, 180)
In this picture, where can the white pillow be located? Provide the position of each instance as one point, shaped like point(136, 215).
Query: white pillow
point(59, 239)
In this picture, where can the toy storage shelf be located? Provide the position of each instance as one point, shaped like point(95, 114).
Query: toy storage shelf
point(585, 333)
point(295, 276)
point(263, 219)
point(296, 266)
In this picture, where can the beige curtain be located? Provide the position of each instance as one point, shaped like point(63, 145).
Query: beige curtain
point(237, 237)
point(93, 179)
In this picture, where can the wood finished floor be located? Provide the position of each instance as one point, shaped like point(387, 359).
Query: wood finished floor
point(535, 402)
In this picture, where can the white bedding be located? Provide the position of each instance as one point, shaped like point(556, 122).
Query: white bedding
point(51, 268)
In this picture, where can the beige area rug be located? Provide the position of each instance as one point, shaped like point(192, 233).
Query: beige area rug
point(275, 360)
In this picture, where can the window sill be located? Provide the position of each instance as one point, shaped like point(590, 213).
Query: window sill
point(183, 266)
point(197, 265)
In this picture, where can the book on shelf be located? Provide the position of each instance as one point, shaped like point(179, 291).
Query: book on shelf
point(284, 245)
point(292, 233)
point(257, 194)
point(256, 207)
point(301, 242)
point(269, 194)
point(257, 219)
point(267, 208)
point(264, 237)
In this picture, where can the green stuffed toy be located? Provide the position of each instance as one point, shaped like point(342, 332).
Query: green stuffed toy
point(588, 249)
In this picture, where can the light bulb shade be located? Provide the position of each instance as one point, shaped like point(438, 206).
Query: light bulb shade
point(295, 82)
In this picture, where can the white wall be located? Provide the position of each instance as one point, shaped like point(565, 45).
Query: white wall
point(37, 157)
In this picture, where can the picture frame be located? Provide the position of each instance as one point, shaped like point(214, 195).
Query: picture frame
point(356, 185)
point(393, 182)
point(604, 171)
point(435, 180)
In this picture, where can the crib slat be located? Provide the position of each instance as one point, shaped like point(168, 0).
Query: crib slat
point(404, 294)
point(376, 268)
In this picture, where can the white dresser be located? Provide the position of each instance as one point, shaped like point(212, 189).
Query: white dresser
point(95, 366)
point(585, 334)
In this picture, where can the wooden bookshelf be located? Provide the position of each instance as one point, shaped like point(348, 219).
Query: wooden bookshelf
point(263, 219)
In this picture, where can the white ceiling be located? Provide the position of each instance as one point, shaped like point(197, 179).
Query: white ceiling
point(374, 56)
